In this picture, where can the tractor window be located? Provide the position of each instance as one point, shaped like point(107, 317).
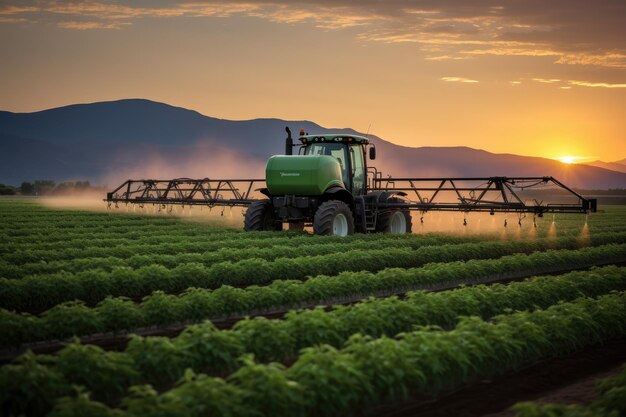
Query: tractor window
point(336, 150)
point(358, 169)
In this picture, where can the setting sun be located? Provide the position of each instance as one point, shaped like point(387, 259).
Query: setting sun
point(568, 159)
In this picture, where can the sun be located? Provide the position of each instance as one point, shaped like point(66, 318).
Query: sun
point(568, 159)
point(571, 159)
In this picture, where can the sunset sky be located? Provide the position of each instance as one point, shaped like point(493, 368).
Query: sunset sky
point(541, 78)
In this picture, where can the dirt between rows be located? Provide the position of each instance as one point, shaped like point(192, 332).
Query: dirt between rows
point(569, 380)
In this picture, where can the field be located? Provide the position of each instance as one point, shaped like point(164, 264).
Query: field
point(127, 314)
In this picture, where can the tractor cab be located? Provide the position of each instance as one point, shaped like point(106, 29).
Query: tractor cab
point(348, 150)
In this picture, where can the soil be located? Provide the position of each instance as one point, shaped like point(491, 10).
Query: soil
point(568, 380)
point(581, 391)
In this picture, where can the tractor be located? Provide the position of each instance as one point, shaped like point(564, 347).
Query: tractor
point(325, 185)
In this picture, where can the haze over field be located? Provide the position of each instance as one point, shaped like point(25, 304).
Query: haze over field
point(534, 78)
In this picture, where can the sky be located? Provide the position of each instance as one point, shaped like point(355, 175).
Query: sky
point(530, 77)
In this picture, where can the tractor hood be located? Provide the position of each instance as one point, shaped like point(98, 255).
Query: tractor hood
point(307, 175)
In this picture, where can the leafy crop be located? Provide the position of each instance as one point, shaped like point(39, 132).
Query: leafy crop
point(114, 314)
point(161, 361)
point(325, 381)
point(44, 291)
point(66, 273)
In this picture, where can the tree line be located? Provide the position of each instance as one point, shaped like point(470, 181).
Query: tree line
point(48, 187)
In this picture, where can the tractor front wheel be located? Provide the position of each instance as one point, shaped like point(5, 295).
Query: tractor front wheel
point(333, 218)
point(260, 216)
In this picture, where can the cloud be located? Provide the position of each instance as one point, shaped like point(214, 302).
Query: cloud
point(596, 85)
point(10, 9)
point(92, 25)
point(458, 80)
point(446, 58)
point(572, 32)
point(610, 60)
point(567, 84)
point(546, 80)
point(4, 19)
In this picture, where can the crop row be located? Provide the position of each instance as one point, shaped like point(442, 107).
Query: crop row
point(70, 224)
point(137, 258)
point(610, 401)
point(323, 381)
point(135, 237)
point(119, 313)
point(131, 235)
point(71, 218)
point(62, 219)
point(38, 234)
point(202, 252)
point(62, 223)
point(102, 227)
point(92, 248)
point(38, 293)
point(106, 237)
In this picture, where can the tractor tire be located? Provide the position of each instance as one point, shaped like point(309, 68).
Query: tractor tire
point(333, 218)
point(260, 216)
point(394, 221)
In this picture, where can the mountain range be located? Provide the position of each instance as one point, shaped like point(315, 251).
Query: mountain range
point(108, 142)
point(619, 166)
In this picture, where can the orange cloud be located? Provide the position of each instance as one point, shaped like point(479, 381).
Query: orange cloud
point(600, 85)
point(92, 25)
point(459, 80)
point(547, 81)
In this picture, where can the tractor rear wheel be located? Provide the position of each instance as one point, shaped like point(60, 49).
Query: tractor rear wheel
point(260, 216)
point(333, 218)
point(395, 221)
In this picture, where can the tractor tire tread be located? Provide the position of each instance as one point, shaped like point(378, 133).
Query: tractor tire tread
point(254, 219)
point(324, 216)
point(382, 223)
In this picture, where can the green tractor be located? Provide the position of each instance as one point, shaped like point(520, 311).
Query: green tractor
point(325, 185)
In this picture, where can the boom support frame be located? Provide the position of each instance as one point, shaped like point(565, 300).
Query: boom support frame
point(483, 194)
point(187, 191)
point(489, 194)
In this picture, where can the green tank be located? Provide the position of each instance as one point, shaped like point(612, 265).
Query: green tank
point(306, 175)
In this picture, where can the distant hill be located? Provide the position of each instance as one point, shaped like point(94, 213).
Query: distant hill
point(108, 142)
point(619, 166)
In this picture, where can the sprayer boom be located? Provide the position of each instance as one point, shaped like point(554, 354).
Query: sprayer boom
point(494, 194)
point(187, 191)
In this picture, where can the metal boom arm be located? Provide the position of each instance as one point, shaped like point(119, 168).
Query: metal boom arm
point(187, 191)
point(493, 194)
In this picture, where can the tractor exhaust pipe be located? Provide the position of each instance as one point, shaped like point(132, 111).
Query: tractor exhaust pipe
point(288, 142)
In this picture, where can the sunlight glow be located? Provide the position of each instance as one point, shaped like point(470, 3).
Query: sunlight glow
point(569, 159)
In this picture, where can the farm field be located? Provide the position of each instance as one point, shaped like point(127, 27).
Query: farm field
point(126, 314)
